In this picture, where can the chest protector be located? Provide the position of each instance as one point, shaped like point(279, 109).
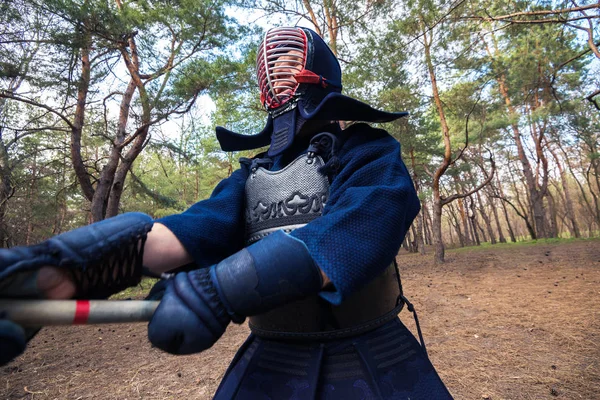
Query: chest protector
point(286, 200)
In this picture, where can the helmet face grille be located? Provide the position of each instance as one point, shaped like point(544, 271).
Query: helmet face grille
point(281, 55)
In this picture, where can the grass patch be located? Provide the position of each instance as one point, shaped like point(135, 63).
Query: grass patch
point(523, 243)
point(136, 292)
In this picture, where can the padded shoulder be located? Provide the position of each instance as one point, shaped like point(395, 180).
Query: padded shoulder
point(364, 140)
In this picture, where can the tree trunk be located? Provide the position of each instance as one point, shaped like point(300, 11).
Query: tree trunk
point(420, 241)
point(468, 239)
point(31, 189)
point(552, 216)
point(537, 134)
point(486, 219)
point(523, 213)
point(115, 176)
point(511, 232)
point(414, 246)
point(592, 191)
point(501, 237)
point(570, 213)
point(441, 170)
point(405, 241)
point(197, 185)
point(481, 230)
point(465, 222)
point(437, 229)
point(79, 121)
point(590, 209)
point(427, 223)
point(6, 191)
point(456, 226)
point(6, 186)
point(119, 181)
point(473, 226)
point(536, 197)
point(452, 243)
point(61, 200)
point(139, 137)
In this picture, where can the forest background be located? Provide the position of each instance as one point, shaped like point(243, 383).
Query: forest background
point(110, 106)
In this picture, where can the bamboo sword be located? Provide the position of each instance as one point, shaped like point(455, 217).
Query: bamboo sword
point(35, 313)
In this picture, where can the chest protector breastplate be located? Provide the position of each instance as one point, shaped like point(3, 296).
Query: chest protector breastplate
point(286, 199)
point(289, 199)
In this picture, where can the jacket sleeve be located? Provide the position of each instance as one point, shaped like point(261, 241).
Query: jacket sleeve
point(213, 229)
point(371, 205)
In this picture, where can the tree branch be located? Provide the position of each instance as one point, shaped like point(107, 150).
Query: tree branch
point(463, 195)
point(535, 13)
point(592, 100)
point(313, 17)
point(497, 196)
point(542, 21)
point(467, 127)
point(427, 170)
point(159, 198)
point(29, 131)
point(7, 95)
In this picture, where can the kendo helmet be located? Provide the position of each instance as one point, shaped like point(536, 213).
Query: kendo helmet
point(300, 80)
point(292, 66)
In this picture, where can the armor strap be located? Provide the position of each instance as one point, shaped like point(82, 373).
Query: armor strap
point(411, 308)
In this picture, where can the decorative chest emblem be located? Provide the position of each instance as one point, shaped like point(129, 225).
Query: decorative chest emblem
point(285, 199)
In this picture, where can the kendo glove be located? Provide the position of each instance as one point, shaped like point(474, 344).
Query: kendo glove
point(102, 258)
point(198, 305)
point(13, 340)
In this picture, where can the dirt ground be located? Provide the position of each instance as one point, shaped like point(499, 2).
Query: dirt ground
point(501, 322)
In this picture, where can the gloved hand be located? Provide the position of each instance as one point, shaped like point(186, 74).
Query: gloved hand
point(198, 305)
point(93, 261)
point(13, 340)
point(49, 282)
point(102, 258)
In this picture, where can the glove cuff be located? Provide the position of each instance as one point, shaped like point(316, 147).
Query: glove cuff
point(272, 272)
point(105, 257)
point(202, 282)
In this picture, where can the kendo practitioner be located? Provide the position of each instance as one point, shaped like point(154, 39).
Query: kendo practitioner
point(300, 240)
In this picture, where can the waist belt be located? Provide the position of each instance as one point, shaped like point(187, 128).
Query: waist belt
point(315, 318)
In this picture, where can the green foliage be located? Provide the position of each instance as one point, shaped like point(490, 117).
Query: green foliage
point(138, 292)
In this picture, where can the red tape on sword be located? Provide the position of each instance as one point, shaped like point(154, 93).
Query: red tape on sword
point(82, 312)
